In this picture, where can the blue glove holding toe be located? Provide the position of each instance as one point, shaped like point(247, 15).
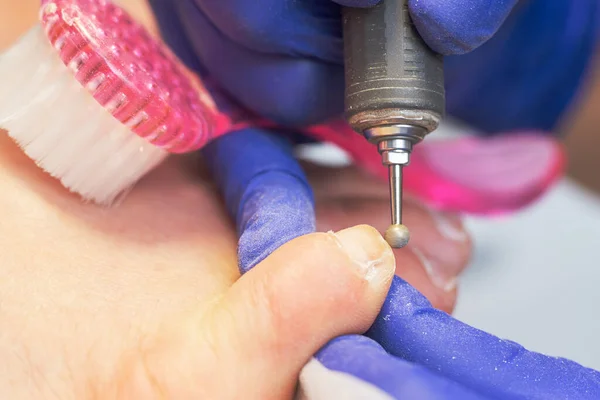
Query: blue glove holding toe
point(283, 60)
point(412, 350)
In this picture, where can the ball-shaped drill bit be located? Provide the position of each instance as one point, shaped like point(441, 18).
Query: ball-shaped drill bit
point(397, 236)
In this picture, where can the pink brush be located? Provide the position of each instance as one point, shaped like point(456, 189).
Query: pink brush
point(100, 102)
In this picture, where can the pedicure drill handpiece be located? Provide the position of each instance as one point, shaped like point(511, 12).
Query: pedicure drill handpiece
point(394, 90)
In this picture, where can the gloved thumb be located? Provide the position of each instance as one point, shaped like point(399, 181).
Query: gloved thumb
point(312, 289)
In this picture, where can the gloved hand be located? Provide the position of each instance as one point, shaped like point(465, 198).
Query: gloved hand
point(267, 58)
point(283, 58)
point(416, 351)
point(412, 350)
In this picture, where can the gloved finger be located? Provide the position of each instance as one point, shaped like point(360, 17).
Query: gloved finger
point(452, 27)
point(173, 34)
point(368, 369)
point(408, 327)
point(293, 88)
point(297, 28)
point(457, 26)
point(264, 189)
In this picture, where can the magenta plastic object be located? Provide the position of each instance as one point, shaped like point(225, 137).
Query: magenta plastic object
point(485, 176)
point(131, 74)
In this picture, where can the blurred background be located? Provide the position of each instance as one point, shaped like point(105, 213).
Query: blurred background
point(535, 275)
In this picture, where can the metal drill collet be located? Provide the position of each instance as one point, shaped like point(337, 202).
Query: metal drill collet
point(395, 143)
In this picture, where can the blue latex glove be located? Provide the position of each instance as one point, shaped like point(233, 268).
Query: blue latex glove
point(286, 64)
point(429, 354)
point(422, 353)
point(283, 58)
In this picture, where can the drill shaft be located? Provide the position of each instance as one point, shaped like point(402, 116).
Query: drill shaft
point(394, 90)
point(395, 175)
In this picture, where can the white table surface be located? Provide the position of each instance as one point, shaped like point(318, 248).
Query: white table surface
point(535, 276)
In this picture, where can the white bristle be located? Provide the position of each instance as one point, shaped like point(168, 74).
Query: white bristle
point(63, 129)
